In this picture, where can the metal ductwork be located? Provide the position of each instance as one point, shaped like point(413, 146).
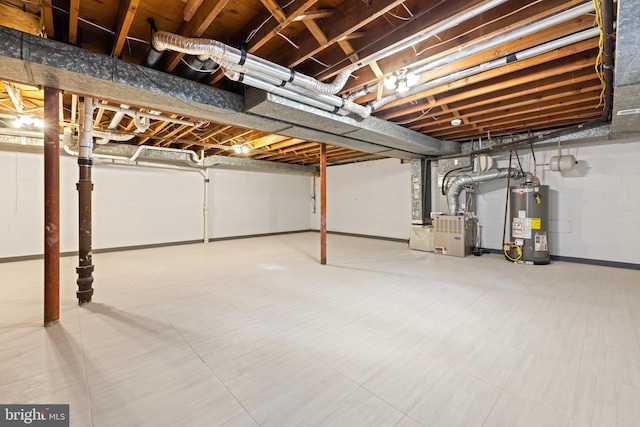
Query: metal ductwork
point(196, 68)
point(43, 62)
point(221, 53)
point(257, 72)
point(463, 180)
point(626, 105)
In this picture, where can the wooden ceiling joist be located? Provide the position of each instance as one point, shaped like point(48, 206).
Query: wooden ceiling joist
point(74, 11)
point(47, 12)
point(347, 20)
point(126, 13)
point(202, 18)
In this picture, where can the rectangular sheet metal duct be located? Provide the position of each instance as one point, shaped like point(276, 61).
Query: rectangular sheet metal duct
point(41, 62)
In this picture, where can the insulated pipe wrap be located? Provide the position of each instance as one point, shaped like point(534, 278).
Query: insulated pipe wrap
point(105, 137)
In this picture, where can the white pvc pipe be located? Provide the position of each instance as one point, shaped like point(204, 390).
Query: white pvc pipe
point(543, 24)
point(85, 142)
point(527, 53)
point(119, 160)
point(134, 113)
point(205, 204)
point(442, 26)
point(496, 41)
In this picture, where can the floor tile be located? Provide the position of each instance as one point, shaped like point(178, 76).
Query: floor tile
point(457, 399)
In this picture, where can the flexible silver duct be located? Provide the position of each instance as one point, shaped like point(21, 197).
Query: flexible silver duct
point(461, 181)
point(220, 52)
point(527, 53)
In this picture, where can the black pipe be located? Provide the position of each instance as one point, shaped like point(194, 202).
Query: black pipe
point(85, 187)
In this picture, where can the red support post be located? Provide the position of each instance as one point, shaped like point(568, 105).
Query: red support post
point(51, 207)
point(323, 203)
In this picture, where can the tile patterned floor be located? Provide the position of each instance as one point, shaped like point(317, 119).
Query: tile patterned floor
point(254, 332)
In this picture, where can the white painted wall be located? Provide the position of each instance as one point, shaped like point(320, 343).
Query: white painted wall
point(139, 206)
point(369, 198)
point(245, 203)
point(135, 206)
point(131, 206)
point(594, 210)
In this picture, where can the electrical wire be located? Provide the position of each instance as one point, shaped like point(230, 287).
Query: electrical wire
point(599, 65)
point(519, 163)
point(484, 24)
point(93, 24)
point(445, 182)
point(255, 30)
point(288, 39)
point(200, 70)
point(511, 245)
point(402, 18)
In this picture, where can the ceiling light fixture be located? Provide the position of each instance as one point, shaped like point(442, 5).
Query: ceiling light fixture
point(241, 149)
point(456, 122)
point(28, 122)
point(401, 81)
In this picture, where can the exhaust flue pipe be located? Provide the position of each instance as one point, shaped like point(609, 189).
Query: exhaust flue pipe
point(454, 190)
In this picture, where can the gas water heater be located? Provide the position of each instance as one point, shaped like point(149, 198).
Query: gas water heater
point(529, 210)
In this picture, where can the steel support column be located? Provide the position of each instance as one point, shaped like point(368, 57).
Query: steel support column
point(85, 187)
point(51, 207)
point(323, 203)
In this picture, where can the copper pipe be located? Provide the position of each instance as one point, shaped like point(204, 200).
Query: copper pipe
point(323, 203)
point(51, 207)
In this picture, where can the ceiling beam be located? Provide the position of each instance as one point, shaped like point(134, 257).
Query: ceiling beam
point(126, 13)
point(15, 95)
point(556, 57)
point(284, 18)
point(74, 10)
point(446, 43)
point(350, 16)
point(190, 9)
point(202, 18)
point(47, 12)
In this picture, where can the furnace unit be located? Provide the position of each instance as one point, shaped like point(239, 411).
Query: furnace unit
point(454, 235)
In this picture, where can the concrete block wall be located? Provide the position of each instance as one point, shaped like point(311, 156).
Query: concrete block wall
point(594, 209)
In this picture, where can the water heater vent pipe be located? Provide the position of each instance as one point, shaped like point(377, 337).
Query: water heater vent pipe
point(463, 180)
